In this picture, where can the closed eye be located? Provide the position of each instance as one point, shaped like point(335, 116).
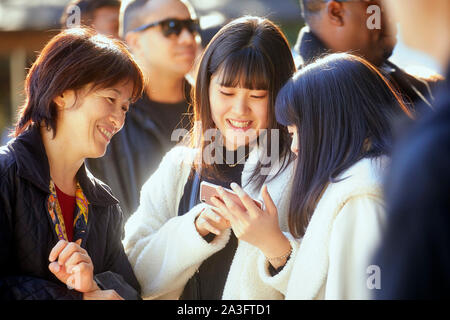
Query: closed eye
point(111, 100)
point(226, 93)
point(258, 97)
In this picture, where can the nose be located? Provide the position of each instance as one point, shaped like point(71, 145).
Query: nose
point(117, 119)
point(186, 37)
point(240, 105)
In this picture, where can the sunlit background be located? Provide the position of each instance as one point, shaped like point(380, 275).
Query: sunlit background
point(26, 25)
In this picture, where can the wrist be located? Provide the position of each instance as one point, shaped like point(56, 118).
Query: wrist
point(277, 247)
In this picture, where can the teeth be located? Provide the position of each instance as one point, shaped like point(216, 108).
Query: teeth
point(106, 133)
point(240, 124)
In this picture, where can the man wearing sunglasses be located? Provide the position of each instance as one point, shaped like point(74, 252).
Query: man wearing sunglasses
point(342, 26)
point(163, 37)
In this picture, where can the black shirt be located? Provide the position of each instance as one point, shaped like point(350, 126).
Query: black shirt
point(209, 281)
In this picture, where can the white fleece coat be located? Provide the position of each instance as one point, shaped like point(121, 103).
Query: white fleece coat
point(165, 249)
point(332, 260)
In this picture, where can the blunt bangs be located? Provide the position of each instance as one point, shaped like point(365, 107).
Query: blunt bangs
point(246, 68)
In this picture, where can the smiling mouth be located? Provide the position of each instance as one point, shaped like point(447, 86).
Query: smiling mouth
point(240, 125)
point(107, 134)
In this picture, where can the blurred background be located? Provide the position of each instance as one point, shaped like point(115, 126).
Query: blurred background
point(26, 25)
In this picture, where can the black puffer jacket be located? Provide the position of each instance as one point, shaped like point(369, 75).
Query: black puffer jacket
point(27, 234)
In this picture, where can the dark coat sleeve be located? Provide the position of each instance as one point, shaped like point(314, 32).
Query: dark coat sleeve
point(15, 286)
point(120, 275)
point(415, 254)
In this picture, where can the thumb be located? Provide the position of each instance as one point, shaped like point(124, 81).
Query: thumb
point(270, 205)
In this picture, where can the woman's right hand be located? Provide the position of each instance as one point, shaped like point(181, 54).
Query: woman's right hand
point(102, 295)
point(210, 221)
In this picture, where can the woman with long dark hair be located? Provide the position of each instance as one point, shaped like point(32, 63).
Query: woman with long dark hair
point(180, 248)
point(60, 228)
point(339, 111)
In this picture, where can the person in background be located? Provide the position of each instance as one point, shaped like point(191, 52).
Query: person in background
point(414, 257)
point(178, 246)
point(60, 227)
point(341, 26)
point(101, 15)
point(163, 36)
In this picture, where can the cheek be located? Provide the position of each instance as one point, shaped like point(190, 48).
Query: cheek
point(217, 107)
point(261, 112)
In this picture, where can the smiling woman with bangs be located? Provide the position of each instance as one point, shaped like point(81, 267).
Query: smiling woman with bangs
point(59, 226)
point(178, 246)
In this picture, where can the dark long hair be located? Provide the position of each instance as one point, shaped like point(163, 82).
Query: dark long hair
point(72, 59)
point(253, 53)
point(343, 110)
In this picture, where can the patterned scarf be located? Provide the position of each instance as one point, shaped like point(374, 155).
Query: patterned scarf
point(80, 217)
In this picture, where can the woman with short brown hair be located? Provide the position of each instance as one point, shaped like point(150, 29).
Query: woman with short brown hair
point(57, 222)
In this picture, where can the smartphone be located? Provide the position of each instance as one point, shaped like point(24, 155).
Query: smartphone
point(208, 190)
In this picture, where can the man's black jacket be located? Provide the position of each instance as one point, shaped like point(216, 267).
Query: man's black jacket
point(27, 235)
point(416, 92)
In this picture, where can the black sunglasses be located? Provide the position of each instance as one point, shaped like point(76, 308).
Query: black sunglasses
point(172, 26)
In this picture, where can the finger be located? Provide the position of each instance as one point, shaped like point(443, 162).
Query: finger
point(205, 224)
point(54, 253)
point(83, 268)
point(115, 296)
point(68, 251)
point(75, 259)
point(246, 200)
point(268, 202)
point(214, 216)
point(223, 210)
point(58, 271)
point(231, 205)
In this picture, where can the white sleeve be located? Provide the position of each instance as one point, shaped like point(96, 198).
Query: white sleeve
point(249, 277)
point(163, 248)
point(279, 281)
point(355, 235)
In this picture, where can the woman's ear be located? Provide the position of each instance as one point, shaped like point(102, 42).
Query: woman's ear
point(59, 101)
point(65, 99)
point(335, 13)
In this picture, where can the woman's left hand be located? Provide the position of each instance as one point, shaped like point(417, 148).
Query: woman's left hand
point(72, 265)
point(253, 225)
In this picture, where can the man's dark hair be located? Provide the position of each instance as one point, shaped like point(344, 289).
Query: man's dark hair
point(130, 16)
point(87, 9)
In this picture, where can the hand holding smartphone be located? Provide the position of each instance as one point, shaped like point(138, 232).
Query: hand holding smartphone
point(208, 190)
